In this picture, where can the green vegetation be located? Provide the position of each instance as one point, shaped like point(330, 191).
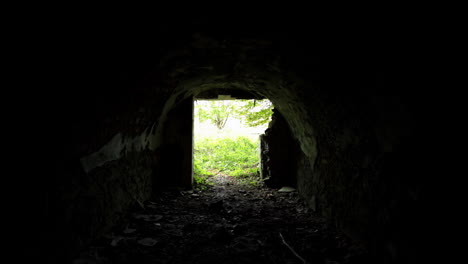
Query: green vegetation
point(217, 112)
point(225, 156)
point(229, 150)
point(252, 112)
point(232, 157)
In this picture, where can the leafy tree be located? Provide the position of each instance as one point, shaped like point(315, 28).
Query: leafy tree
point(255, 112)
point(252, 112)
point(227, 155)
point(217, 112)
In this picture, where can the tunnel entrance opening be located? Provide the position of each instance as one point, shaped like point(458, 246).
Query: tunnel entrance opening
point(227, 140)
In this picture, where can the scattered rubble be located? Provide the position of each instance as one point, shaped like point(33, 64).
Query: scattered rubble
point(228, 222)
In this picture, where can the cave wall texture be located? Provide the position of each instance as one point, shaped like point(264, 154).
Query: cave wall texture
point(351, 108)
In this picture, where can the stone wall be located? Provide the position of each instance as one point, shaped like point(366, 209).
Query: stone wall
point(83, 206)
point(349, 113)
point(278, 153)
point(175, 151)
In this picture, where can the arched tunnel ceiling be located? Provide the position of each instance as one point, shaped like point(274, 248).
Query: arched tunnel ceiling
point(181, 61)
point(135, 50)
point(286, 61)
point(247, 64)
point(122, 80)
point(227, 93)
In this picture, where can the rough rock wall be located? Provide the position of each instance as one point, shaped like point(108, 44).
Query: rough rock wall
point(364, 177)
point(175, 154)
point(279, 152)
point(91, 192)
point(103, 135)
point(355, 134)
point(98, 200)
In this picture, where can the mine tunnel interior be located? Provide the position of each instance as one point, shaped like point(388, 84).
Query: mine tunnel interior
point(345, 128)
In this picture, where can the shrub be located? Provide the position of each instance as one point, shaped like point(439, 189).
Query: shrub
point(236, 157)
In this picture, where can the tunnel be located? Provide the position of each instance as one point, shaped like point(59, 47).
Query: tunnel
point(126, 100)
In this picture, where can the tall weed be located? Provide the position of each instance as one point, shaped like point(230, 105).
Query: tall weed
point(227, 156)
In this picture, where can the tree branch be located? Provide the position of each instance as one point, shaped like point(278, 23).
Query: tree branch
point(292, 250)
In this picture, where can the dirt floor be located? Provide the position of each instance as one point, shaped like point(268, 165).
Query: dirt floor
point(228, 222)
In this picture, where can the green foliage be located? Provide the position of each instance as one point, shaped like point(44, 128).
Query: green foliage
point(234, 157)
point(202, 182)
point(217, 112)
point(255, 112)
point(226, 152)
point(252, 112)
point(253, 180)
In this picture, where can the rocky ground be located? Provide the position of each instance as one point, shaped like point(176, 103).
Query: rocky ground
point(228, 222)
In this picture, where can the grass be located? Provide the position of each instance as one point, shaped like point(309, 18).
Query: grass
point(230, 151)
point(236, 157)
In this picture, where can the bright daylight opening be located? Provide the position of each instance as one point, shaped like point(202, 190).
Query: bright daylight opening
point(226, 139)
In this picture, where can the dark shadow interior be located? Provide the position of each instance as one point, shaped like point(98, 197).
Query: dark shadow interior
point(120, 119)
